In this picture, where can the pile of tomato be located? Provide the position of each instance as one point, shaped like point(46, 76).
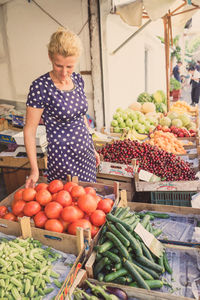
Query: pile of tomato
point(60, 207)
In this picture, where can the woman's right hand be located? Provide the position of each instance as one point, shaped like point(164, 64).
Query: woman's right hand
point(32, 179)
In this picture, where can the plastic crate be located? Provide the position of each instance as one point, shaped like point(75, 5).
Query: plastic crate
point(172, 198)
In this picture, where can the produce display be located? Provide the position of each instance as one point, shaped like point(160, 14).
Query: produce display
point(181, 106)
point(121, 255)
point(149, 158)
point(179, 124)
point(131, 119)
point(97, 292)
point(158, 98)
point(166, 141)
point(27, 269)
point(60, 207)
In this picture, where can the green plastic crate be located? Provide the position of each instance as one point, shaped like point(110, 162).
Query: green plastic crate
point(172, 198)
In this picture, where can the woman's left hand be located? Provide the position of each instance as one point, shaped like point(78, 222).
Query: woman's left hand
point(97, 158)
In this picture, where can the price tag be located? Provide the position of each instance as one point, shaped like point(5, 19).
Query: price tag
point(150, 241)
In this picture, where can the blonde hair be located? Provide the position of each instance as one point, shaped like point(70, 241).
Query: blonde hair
point(65, 43)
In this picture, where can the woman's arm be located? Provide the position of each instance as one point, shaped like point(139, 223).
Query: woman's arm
point(33, 116)
point(96, 153)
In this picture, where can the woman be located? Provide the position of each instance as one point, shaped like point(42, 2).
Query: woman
point(58, 97)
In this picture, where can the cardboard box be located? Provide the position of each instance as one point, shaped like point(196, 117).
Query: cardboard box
point(40, 136)
point(7, 136)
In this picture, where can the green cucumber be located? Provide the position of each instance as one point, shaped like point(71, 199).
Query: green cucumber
point(123, 212)
point(120, 280)
point(112, 256)
point(135, 274)
point(102, 235)
point(166, 264)
point(100, 265)
point(152, 284)
point(112, 276)
point(105, 246)
point(118, 266)
point(118, 244)
point(145, 221)
point(160, 215)
point(134, 244)
point(142, 272)
point(154, 274)
point(112, 218)
point(148, 263)
point(118, 234)
point(146, 252)
point(161, 263)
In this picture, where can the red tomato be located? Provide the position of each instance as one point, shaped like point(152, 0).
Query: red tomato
point(104, 205)
point(31, 208)
point(18, 195)
point(43, 196)
point(64, 198)
point(78, 223)
point(54, 225)
point(110, 201)
point(28, 194)
point(94, 230)
point(54, 196)
point(18, 207)
point(71, 214)
point(55, 186)
point(65, 224)
point(41, 186)
point(3, 211)
point(69, 185)
point(90, 190)
point(77, 191)
point(98, 217)
point(40, 219)
point(98, 198)
point(10, 216)
point(87, 203)
point(53, 210)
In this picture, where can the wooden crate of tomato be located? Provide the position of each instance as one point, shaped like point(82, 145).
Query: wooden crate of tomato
point(62, 207)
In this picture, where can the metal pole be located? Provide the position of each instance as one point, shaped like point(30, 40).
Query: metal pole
point(130, 37)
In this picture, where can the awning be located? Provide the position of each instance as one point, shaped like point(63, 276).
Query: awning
point(134, 12)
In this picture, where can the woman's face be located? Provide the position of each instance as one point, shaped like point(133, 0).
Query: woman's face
point(63, 67)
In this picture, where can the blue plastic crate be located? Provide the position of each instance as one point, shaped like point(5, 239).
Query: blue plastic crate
point(172, 198)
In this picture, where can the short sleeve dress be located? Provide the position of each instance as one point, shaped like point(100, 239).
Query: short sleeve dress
point(70, 147)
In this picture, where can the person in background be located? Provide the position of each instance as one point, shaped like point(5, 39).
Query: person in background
point(198, 66)
point(58, 97)
point(195, 82)
point(176, 71)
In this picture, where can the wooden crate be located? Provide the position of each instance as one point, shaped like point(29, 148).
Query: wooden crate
point(180, 210)
point(81, 238)
point(141, 186)
point(125, 183)
point(138, 292)
point(64, 243)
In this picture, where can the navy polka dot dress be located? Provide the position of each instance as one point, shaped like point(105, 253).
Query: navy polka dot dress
point(70, 146)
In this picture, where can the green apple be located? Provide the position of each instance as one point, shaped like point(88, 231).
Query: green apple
point(114, 123)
